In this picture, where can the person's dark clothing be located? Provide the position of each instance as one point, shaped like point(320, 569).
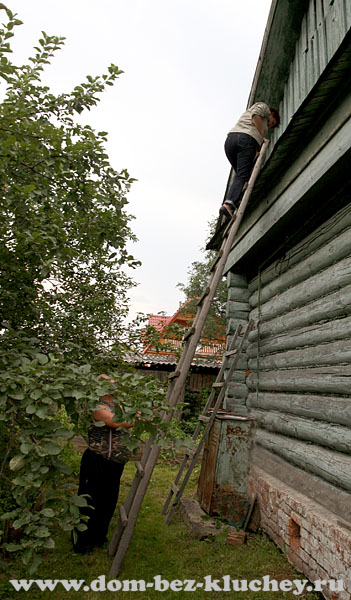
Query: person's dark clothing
point(100, 478)
point(240, 149)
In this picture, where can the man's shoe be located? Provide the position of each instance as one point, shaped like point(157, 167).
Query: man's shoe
point(225, 212)
point(81, 548)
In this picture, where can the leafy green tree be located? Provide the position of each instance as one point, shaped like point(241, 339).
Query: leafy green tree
point(43, 402)
point(198, 276)
point(63, 291)
point(62, 206)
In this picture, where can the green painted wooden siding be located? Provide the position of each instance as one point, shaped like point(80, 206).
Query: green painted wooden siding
point(323, 28)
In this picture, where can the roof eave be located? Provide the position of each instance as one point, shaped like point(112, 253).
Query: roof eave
point(277, 51)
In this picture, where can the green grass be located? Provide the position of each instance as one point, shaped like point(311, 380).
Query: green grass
point(157, 549)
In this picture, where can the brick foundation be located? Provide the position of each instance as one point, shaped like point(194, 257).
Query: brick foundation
point(313, 539)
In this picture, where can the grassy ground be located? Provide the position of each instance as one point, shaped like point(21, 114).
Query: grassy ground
point(157, 549)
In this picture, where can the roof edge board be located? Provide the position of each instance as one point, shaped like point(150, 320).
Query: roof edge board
point(277, 51)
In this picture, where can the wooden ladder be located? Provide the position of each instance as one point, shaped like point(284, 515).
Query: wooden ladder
point(207, 416)
point(129, 511)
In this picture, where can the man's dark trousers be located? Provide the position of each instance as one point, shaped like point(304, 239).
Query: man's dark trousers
point(240, 149)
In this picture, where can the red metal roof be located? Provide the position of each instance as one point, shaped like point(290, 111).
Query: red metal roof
point(214, 349)
point(159, 321)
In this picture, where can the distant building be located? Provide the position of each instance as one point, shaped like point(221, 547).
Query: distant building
point(160, 359)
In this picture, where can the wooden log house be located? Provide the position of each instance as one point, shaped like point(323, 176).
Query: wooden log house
point(290, 269)
point(160, 359)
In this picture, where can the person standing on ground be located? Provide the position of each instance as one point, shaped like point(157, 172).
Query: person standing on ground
point(241, 146)
point(101, 469)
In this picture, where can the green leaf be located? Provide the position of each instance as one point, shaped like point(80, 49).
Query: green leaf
point(28, 189)
point(79, 501)
point(50, 448)
point(78, 394)
point(25, 447)
point(16, 462)
point(12, 547)
point(20, 481)
point(48, 512)
point(7, 515)
point(67, 434)
point(35, 565)
point(42, 412)
point(42, 358)
point(17, 394)
point(21, 521)
point(42, 532)
point(27, 555)
point(44, 272)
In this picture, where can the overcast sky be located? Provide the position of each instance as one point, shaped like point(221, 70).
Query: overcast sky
point(188, 67)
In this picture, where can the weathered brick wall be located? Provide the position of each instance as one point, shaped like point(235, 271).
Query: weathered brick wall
point(313, 538)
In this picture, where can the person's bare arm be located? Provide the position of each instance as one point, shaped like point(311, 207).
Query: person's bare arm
point(103, 413)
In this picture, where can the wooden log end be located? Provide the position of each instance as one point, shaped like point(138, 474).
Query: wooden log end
point(235, 537)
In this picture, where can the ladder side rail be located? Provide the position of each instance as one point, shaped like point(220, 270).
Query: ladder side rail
point(128, 505)
point(119, 530)
point(220, 374)
point(208, 427)
point(117, 534)
point(202, 312)
point(129, 500)
point(191, 343)
point(183, 357)
point(176, 386)
point(218, 380)
point(133, 513)
point(194, 437)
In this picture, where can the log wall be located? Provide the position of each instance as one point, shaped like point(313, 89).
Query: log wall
point(299, 358)
point(238, 309)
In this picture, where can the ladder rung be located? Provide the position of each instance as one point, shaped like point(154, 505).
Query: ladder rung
point(218, 384)
point(219, 255)
point(206, 293)
point(139, 467)
point(189, 333)
point(123, 515)
point(189, 452)
point(174, 489)
point(174, 374)
point(204, 419)
point(246, 327)
point(231, 352)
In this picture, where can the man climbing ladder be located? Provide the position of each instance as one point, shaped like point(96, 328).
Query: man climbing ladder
point(129, 512)
point(241, 146)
